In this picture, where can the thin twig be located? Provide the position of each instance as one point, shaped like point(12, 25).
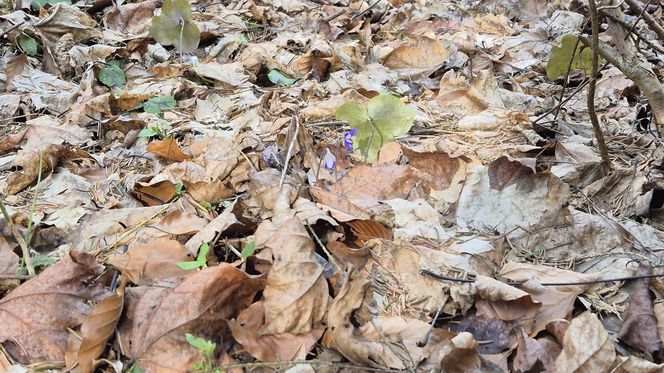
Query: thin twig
point(438, 276)
point(15, 277)
point(601, 144)
point(21, 242)
point(289, 153)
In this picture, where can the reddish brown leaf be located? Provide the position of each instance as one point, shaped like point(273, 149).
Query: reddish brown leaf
point(156, 194)
point(35, 317)
point(639, 329)
point(365, 230)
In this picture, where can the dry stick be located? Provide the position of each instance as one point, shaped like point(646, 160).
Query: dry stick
point(631, 29)
point(652, 23)
point(289, 153)
point(438, 276)
point(601, 144)
point(21, 241)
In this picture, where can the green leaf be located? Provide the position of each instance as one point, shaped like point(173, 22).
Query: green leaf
point(28, 45)
point(206, 204)
point(189, 265)
point(156, 104)
point(202, 255)
point(135, 368)
point(42, 260)
point(203, 345)
point(278, 78)
point(248, 250)
point(38, 4)
point(112, 76)
point(175, 27)
point(384, 118)
point(561, 56)
point(149, 132)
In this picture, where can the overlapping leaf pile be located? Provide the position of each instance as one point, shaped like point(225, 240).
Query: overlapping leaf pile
point(248, 229)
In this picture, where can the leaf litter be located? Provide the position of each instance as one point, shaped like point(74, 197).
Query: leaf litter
point(378, 185)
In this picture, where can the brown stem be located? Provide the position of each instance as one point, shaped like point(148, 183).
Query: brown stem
point(601, 144)
point(649, 20)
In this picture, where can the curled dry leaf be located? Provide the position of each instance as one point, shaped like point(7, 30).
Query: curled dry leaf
point(296, 293)
point(67, 19)
point(639, 328)
point(132, 18)
point(207, 234)
point(98, 327)
point(36, 316)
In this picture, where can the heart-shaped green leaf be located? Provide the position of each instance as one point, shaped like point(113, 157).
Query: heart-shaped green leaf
point(175, 27)
point(561, 56)
point(384, 118)
point(112, 76)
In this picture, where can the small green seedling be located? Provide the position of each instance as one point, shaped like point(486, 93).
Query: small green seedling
point(207, 350)
point(175, 26)
point(207, 205)
point(384, 118)
point(201, 259)
point(248, 250)
point(179, 188)
point(572, 50)
point(160, 129)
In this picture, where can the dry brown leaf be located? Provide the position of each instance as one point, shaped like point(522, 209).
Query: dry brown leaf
point(340, 207)
point(557, 302)
point(633, 364)
point(639, 328)
point(159, 317)
point(167, 148)
point(155, 194)
point(362, 231)
point(132, 19)
point(425, 53)
point(15, 67)
point(535, 354)
point(36, 315)
point(98, 327)
point(207, 234)
point(270, 347)
point(153, 260)
point(8, 259)
point(296, 293)
point(587, 347)
point(67, 19)
point(179, 222)
point(502, 301)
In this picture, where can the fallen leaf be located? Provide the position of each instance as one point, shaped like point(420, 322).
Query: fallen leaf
point(98, 326)
point(47, 306)
point(639, 329)
point(586, 347)
point(151, 261)
point(167, 148)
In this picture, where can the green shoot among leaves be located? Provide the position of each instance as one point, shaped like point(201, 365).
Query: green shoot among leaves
point(563, 54)
point(384, 118)
point(159, 130)
point(201, 259)
point(175, 27)
point(206, 348)
point(248, 250)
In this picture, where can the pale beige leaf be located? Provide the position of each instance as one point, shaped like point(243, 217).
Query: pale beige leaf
point(587, 347)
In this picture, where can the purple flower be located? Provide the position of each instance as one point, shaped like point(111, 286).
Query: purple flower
point(348, 138)
point(329, 160)
point(271, 155)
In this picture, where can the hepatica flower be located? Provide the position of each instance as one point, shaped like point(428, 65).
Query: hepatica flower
point(271, 155)
point(348, 138)
point(329, 160)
